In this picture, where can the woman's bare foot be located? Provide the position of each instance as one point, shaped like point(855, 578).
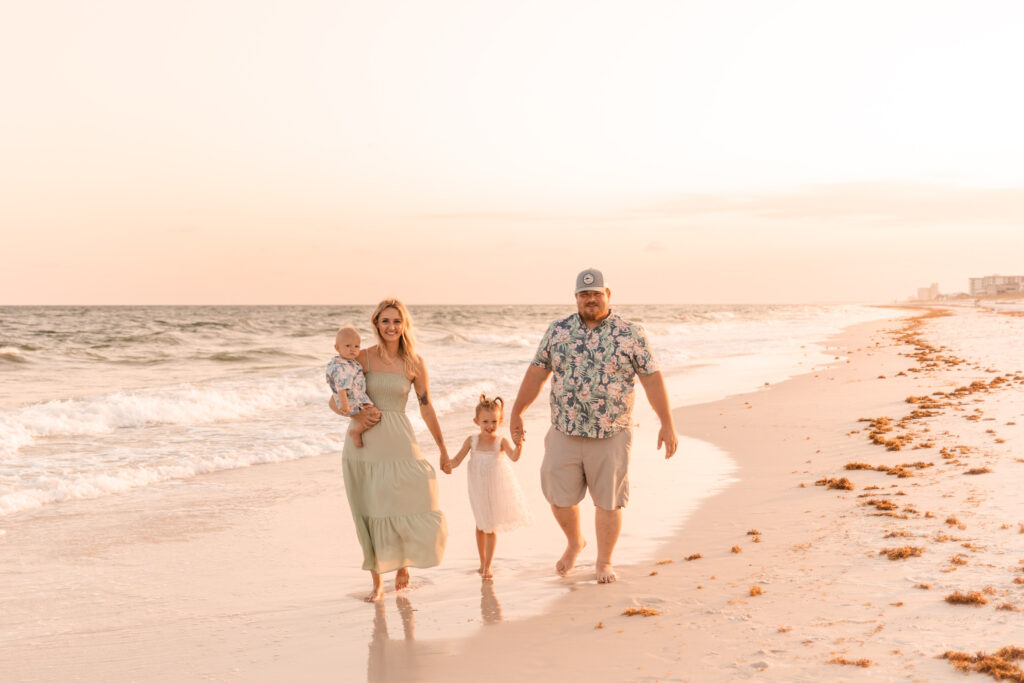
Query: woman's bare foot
point(568, 559)
point(605, 573)
point(378, 590)
point(486, 573)
point(402, 578)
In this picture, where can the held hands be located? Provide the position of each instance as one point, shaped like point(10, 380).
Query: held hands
point(667, 436)
point(515, 427)
point(446, 464)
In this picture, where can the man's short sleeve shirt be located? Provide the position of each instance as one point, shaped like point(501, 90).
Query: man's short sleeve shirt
point(592, 373)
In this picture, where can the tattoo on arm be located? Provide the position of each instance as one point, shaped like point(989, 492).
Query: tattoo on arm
point(424, 398)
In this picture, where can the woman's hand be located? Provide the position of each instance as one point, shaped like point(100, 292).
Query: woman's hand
point(367, 417)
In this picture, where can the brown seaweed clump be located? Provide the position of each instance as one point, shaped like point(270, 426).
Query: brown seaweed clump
point(843, 483)
point(999, 666)
point(902, 553)
point(640, 611)
point(978, 470)
point(755, 591)
point(881, 504)
point(969, 598)
point(691, 558)
point(865, 663)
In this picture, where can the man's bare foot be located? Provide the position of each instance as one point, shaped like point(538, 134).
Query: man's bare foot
point(377, 593)
point(357, 438)
point(605, 573)
point(402, 579)
point(568, 559)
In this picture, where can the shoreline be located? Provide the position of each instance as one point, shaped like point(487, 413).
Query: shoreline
point(265, 551)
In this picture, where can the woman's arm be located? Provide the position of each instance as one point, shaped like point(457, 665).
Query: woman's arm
point(461, 455)
point(513, 452)
point(421, 383)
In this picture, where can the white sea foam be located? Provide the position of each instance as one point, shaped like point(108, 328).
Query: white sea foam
point(179, 405)
point(96, 476)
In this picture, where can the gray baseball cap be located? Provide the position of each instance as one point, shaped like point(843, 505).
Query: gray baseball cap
point(590, 280)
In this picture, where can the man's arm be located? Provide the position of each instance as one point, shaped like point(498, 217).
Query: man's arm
point(529, 390)
point(657, 396)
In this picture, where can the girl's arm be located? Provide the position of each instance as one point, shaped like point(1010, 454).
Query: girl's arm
point(513, 453)
point(461, 455)
point(421, 383)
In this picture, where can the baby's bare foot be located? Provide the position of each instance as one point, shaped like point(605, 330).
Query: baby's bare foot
point(568, 559)
point(605, 573)
point(402, 579)
point(357, 439)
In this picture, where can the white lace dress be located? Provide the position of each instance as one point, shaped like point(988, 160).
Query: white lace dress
point(494, 494)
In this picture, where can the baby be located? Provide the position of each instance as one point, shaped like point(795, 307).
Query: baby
point(347, 381)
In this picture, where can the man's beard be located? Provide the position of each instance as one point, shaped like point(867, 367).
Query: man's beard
point(592, 315)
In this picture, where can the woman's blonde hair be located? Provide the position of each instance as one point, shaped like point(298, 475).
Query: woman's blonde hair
point(496, 404)
point(406, 341)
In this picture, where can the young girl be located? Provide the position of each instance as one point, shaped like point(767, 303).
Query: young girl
point(494, 494)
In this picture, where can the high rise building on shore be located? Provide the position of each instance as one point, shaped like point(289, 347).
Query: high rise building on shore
point(928, 293)
point(996, 284)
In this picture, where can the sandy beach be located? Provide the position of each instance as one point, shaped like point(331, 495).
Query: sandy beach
point(779, 576)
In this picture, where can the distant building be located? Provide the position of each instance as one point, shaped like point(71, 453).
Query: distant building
point(928, 293)
point(996, 284)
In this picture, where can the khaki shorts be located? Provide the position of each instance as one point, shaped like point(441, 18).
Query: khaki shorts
point(573, 464)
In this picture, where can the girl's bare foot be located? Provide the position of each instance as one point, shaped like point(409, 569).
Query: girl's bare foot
point(568, 559)
point(486, 573)
point(605, 573)
point(402, 578)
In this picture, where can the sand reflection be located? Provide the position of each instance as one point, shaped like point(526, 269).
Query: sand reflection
point(490, 608)
point(392, 660)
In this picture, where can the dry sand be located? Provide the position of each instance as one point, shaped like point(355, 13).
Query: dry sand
point(238, 583)
point(826, 593)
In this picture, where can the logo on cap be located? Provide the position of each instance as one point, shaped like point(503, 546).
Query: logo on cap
point(588, 279)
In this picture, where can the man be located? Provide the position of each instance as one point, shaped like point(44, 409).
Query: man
point(594, 356)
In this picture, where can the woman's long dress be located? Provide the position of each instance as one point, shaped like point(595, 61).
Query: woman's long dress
point(391, 489)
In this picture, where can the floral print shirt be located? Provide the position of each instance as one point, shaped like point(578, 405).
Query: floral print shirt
point(347, 375)
point(592, 387)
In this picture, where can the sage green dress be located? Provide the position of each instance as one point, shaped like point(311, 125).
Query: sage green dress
point(391, 488)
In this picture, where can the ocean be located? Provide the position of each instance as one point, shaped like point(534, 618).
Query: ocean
point(96, 400)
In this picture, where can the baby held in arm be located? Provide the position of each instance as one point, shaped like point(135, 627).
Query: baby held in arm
point(347, 381)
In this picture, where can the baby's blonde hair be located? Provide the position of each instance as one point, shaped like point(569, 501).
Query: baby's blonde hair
point(496, 404)
point(347, 329)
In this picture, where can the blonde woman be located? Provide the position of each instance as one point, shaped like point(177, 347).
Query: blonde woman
point(391, 488)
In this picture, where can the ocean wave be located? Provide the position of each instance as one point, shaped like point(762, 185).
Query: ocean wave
point(44, 488)
point(181, 405)
point(249, 355)
point(12, 354)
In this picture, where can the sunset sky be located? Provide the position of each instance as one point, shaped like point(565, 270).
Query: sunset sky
point(308, 151)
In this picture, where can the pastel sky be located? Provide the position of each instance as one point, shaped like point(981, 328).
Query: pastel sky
point(459, 151)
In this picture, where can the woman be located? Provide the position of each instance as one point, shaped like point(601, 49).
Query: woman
point(391, 489)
